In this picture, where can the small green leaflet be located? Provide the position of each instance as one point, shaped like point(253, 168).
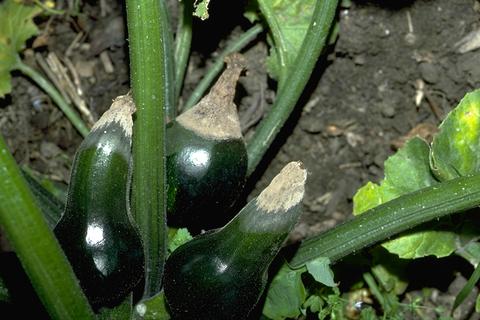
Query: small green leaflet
point(455, 151)
point(201, 9)
point(152, 309)
point(389, 271)
point(320, 271)
point(177, 237)
point(288, 21)
point(287, 295)
point(16, 27)
point(120, 312)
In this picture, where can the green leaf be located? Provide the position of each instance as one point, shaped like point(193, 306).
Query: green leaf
point(251, 11)
point(179, 237)
point(321, 272)
point(152, 309)
point(201, 9)
point(285, 295)
point(470, 252)
point(288, 21)
point(314, 303)
point(389, 271)
point(121, 312)
point(16, 27)
point(407, 171)
point(456, 147)
point(421, 244)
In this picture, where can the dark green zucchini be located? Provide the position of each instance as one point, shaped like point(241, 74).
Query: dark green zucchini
point(222, 274)
point(206, 157)
point(96, 231)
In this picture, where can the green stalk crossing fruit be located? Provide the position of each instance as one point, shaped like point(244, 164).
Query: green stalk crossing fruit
point(222, 274)
point(95, 230)
point(206, 157)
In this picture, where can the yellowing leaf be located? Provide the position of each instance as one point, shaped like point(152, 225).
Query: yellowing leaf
point(16, 27)
point(456, 147)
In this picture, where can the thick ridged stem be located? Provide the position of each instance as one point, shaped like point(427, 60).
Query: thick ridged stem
point(298, 76)
point(150, 92)
point(391, 218)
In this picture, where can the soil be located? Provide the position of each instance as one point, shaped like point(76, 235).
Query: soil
point(394, 71)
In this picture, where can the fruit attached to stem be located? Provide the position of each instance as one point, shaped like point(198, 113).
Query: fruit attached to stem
point(222, 274)
point(206, 157)
point(96, 231)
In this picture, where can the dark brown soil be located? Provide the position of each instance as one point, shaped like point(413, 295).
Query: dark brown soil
point(394, 68)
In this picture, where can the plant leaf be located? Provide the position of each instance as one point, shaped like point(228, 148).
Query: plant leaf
point(176, 239)
point(120, 312)
point(407, 171)
point(421, 244)
point(320, 271)
point(288, 20)
point(389, 271)
point(456, 147)
point(152, 309)
point(286, 294)
point(314, 303)
point(470, 252)
point(16, 27)
point(201, 9)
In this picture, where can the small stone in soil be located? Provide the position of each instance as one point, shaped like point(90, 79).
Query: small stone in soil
point(429, 72)
point(388, 110)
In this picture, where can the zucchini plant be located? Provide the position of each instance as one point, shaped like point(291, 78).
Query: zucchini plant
point(114, 227)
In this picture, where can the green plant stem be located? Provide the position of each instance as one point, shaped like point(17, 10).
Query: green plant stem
point(298, 76)
point(36, 246)
point(74, 118)
point(216, 68)
point(150, 92)
point(467, 289)
point(168, 61)
point(391, 218)
point(183, 42)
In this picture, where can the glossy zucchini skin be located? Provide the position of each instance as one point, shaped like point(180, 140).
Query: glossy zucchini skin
point(222, 274)
point(95, 231)
point(205, 177)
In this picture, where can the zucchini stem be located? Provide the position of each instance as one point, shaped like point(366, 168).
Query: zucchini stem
point(43, 83)
point(183, 42)
point(298, 76)
point(217, 67)
point(151, 92)
point(391, 218)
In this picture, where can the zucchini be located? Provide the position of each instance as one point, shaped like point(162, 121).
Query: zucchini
point(206, 157)
point(222, 274)
point(96, 230)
